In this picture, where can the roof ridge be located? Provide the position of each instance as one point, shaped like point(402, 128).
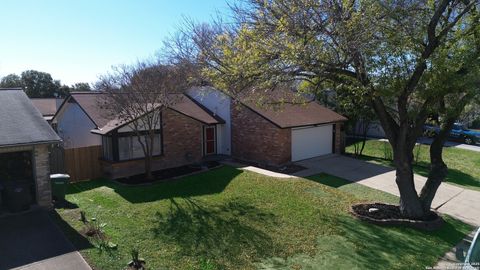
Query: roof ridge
point(87, 92)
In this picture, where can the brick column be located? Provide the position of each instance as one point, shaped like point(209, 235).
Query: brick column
point(339, 139)
point(42, 175)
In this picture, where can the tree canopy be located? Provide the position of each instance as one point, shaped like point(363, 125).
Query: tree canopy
point(406, 59)
point(37, 84)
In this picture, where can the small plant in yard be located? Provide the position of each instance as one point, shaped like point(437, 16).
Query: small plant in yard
point(94, 230)
point(83, 217)
point(207, 265)
point(136, 263)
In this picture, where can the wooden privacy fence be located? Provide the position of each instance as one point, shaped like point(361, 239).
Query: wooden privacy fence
point(83, 163)
point(57, 159)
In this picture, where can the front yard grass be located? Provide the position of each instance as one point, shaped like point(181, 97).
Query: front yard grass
point(463, 165)
point(232, 219)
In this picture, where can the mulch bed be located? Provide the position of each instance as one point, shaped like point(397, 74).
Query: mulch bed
point(390, 215)
point(163, 175)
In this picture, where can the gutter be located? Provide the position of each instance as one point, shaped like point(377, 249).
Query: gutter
point(28, 144)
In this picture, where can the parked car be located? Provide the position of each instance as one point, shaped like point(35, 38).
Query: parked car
point(458, 133)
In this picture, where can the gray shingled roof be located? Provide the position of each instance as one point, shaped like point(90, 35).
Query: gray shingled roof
point(21, 123)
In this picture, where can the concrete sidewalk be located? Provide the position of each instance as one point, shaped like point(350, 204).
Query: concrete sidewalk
point(31, 241)
point(455, 201)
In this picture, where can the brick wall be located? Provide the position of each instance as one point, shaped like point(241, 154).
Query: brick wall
point(182, 145)
point(339, 139)
point(256, 139)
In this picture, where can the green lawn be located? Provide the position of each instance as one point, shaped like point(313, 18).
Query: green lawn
point(463, 165)
point(231, 219)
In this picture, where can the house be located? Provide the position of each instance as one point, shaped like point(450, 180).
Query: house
point(184, 136)
point(203, 122)
point(274, 133)
point(24, 141)
point(373, 130)
point(47, 106)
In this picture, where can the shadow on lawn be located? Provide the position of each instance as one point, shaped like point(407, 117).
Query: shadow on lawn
point(227, 233)
point(211, 182)
point(329, 180)
point(384, 246)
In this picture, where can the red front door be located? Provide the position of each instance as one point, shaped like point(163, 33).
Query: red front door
point(209, 140)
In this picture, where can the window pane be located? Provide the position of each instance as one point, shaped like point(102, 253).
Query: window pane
point(137, 150)
point(157, 145)
point(124, 148)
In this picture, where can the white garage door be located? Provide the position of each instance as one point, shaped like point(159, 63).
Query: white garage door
point(311, 142)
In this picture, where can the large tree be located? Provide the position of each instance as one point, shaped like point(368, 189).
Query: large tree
point(11, 81)
point(36, 84)
point(406, 58)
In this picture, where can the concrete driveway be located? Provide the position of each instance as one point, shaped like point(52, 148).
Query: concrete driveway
point(31, 241)
point(453, 200)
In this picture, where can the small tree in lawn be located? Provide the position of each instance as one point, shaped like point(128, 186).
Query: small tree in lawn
point(137, 95)
point(407, 59)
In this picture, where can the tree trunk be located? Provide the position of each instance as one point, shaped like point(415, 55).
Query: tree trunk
point(438, 172)
point(410, 204)
point(438, 169)
point(364, 137)
point(148, 167)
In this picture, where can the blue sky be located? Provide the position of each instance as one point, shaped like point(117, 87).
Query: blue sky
point(76, 41)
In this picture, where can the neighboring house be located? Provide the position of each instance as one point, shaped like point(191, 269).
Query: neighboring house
point(375, 129)
point(24, 141)
point(184, 136)
point(274, 134)
point(78, 114)
point(47, 106)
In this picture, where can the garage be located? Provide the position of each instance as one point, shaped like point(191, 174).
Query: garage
point(16, 181)
point(311, 142)
point(25, 138)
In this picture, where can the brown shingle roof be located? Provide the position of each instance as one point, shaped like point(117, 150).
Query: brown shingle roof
point(91, 104)
point(287, 110)
point(47, 106)
point(183, 105)
point(190, 107)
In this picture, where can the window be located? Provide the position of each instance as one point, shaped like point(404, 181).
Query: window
point(107, 148)
point(130, 148)
point(127, 147)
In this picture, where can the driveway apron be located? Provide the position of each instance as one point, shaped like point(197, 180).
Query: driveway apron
point(453, 200)
point(32, 241)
